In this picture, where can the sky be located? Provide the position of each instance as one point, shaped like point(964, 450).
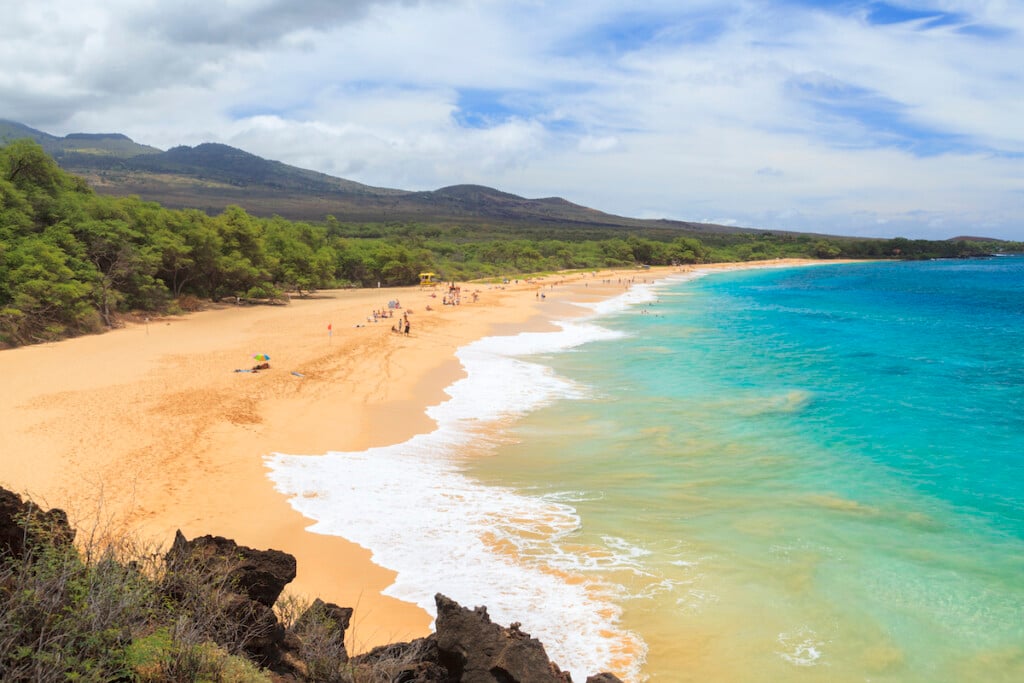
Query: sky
point(899, 118)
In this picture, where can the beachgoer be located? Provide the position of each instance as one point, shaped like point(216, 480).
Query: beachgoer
point(407, 326)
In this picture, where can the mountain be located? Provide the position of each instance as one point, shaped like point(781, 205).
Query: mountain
point(212, 176)
point(98, 145)
point(9, 130)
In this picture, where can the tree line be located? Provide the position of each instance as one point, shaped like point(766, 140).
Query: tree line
point(72, 260)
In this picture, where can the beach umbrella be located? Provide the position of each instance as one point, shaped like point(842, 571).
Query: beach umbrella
point(261, 357)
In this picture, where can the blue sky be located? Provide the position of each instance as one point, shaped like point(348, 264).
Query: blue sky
point(898, 118)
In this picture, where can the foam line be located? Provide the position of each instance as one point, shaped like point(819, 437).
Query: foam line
point(411, 505)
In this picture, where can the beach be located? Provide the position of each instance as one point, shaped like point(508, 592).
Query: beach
point(157, 426)
point(697, 505)
point(149, 428)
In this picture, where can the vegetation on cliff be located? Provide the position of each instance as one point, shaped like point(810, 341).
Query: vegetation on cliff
point(72, 260)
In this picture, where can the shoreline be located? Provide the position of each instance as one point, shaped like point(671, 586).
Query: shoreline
point(147, 427)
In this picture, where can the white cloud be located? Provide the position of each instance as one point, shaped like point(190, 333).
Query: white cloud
point(598, 145)
point(681, 110)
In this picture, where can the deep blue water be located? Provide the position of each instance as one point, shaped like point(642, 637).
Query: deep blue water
point(915, 367)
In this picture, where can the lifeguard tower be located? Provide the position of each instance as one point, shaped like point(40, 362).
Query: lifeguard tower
point(429, 279)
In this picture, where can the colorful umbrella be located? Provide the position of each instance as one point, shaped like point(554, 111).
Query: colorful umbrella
point(261, 357)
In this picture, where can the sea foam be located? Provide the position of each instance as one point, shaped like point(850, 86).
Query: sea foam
point(441, 531)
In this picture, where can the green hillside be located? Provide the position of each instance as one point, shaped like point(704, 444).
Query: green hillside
point(101, 145)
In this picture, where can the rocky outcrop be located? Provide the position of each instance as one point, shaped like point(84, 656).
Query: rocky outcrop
point(321, 628)
point(604, 678)
point(474, 650)
point(260, 574)
point(468, 648)
point(415, 662)
point(229, 591)
point(24, 526)
point(252, 581)
point(337, 617)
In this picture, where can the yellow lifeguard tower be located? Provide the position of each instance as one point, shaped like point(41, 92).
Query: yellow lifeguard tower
point(429, 280)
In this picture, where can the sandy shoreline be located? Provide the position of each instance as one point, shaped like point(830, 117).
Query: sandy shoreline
point(150, 425)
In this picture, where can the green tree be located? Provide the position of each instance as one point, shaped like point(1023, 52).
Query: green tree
point(25, 165)
point(47, 301)
point(825, 249)
point(243, 265)
point(304, 260)
point(688, 250)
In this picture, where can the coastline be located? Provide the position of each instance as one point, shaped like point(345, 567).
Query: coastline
point(148, 428)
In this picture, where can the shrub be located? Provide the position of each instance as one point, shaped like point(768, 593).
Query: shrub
point(323, 654)
point(159, 658)
point(62, 618)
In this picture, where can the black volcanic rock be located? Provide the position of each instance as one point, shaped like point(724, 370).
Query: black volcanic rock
point(339, 617)
point(474, 650)
point(468, 648)
point(253, 580)
point(330, 619)
point(23, 526)
point(260, 574)
point(416, 662)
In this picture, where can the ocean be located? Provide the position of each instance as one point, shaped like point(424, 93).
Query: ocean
point(778, 474)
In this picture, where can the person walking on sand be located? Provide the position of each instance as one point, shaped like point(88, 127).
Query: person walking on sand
point(407, 326)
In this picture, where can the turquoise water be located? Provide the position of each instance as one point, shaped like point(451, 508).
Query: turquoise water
point(799, 474)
